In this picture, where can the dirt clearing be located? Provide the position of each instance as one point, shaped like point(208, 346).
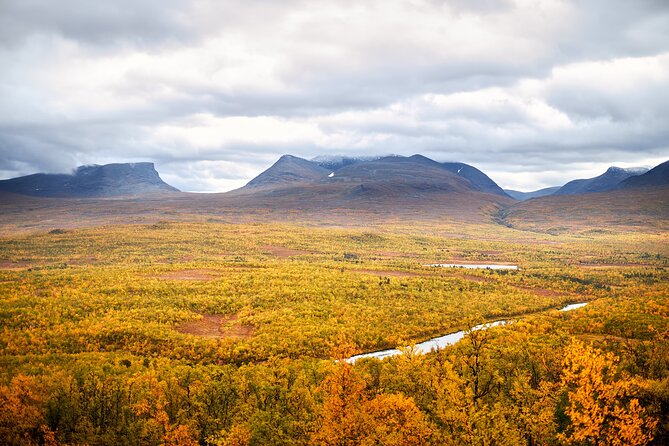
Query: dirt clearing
point(283, 252)
point(216, 326)
point(202, 275)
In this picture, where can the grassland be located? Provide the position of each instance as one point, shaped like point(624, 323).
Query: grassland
point(203, 331)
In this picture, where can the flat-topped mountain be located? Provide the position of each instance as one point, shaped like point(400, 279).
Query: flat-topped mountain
point(91, 181)
point(609, 180)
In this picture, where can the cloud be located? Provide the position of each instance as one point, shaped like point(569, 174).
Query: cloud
point(214, 91)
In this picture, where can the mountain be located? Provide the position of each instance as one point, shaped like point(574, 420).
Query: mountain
point(334, 162)
point(373, 176)
point(609, 180)
point(628, 208)
point(395, 186)
point(522, 196)
point(289, 170)
point(480, 180)
point(414, 174)
point(91, 181)
point(657, 176)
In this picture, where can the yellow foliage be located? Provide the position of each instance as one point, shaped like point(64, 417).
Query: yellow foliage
point(598, 411)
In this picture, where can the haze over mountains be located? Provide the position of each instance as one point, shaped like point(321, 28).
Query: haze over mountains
point(91, 181)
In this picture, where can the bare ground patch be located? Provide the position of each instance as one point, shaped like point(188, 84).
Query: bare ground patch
point(82, 261)
point(17, 266)
point(491, 253)
point(191, 274)
point(216, 326)
point(283, 252)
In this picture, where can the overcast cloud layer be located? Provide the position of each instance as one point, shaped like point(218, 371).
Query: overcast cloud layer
point(534, 93)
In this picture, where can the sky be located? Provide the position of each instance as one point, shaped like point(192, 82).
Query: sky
point(533, 92)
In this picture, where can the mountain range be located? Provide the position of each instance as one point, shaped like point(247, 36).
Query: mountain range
point(613, 179)
point(334, 193)
point(336, 179)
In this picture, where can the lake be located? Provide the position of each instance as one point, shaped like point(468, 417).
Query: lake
point(473, 266)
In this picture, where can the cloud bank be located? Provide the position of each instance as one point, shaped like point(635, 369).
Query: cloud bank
point(534, 93)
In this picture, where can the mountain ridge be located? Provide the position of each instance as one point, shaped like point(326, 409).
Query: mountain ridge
point(288, 169)
point(657, 176)
point(609, 180)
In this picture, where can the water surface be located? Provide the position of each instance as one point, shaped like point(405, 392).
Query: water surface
point(473, 265)
point(446, 340)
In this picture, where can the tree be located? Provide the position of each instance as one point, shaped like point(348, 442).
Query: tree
point(351, 417)
point(600, 408)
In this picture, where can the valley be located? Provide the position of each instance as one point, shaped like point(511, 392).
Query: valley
point(223, 319)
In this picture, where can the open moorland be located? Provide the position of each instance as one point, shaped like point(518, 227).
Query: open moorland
point(173, 325)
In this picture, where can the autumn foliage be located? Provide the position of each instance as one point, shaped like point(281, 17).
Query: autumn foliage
point(235, 334)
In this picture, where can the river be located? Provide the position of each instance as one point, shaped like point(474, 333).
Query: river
point(443, 341)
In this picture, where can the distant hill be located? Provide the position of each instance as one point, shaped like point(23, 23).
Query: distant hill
point(609, 180)
point(640, 200)
point(637, 207)
point(657, 176)
point(91, 181)
point(522, 196)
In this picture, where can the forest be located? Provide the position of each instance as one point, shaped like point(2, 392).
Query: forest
point(237, 333)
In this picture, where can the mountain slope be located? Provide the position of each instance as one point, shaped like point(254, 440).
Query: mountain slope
point(390, 174)
point(91, 181)
point(522, 196)
point(606, 181)
point(288, 170)
point(622, 209)
point(480, 180)
point(416, 173)
point(657, 176)
point(334, 162)
point(413, 186)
